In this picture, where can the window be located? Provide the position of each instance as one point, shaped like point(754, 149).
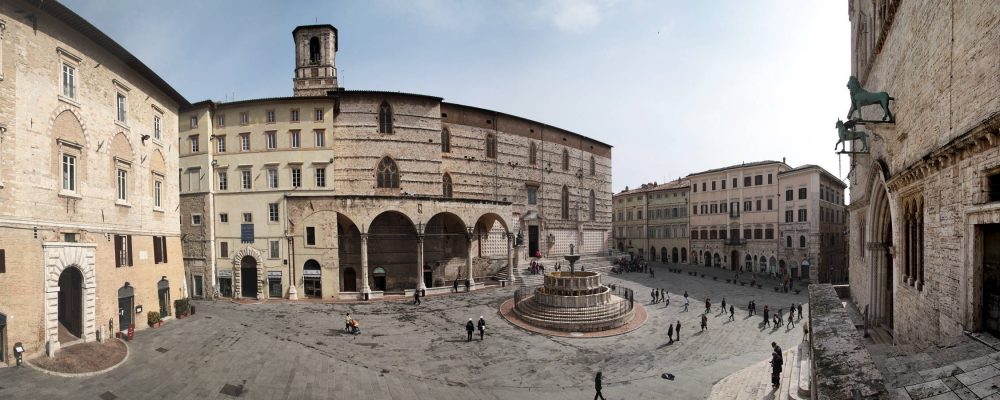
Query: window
point(758, 204)
point(734, 183)
point(275, 250)
point(565, 160)
point(245, 142)
point(270, 116)
point(384, 118)
point(320, 138)
point(320, 176)
point(769, 233)
point(272, 212)
point(802, 241)
point(703, 186)
point(770, 204)
point(159, 249)
point(246, 180)
point(224, 218)
point(220, 120)
point(293, 139)
point(789, 216)
point(565, 204)
point(788, 241)
point(746, 181)
point(272, 178)
point(123, 251)
point(789, 194)
point(310, 236)
point(446, 185)
point(532, 153)
point(293, 115)
point(296, 177)
point(758, 233)
point(769, 179)
point(445, 141)
point(195, 219)
point(157, 192)
point(157, 130)
point(122, 108)
point(122, 184)
point(802, 193)
point(638, 214)
point(593, 166)
point(223, 181)
point(318, 114)
point(748, 205)
point(69, 81)
point(802, 215)
point(69, 173)
point(758, 180)
point(272, 140)
point(713, 185)
point(244, 118)
point(387, 174)
point(533, 196)
point(247, 217)
point(194, 143)
point(491, 146)
point(912, 248)
point(593, 206)
point(223, 249)
point(723, 182)
point(747, 233)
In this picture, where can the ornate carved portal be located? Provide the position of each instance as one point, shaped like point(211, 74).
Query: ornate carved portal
point(248, 273)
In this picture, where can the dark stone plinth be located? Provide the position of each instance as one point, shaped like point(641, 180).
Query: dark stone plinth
point(840, 360)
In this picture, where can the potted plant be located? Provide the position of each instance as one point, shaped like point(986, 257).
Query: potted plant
point(153, 318)
point(182, 307)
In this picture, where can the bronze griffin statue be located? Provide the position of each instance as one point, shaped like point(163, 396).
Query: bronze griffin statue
point(848, 134)
point(861, 97)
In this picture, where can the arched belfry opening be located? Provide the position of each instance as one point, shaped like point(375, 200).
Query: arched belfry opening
point(314, 50)
point(315, 55)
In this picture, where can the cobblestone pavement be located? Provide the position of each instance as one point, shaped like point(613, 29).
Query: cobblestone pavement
point(299, 350)
point(966, 368)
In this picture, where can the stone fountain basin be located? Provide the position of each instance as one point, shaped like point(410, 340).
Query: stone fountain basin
point(579, 280)
point(600, 297)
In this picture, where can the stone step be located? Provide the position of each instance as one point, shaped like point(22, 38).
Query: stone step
point(754, 382)
point(580, 316)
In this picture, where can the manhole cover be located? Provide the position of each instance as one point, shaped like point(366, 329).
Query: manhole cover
point(161, 350)
point(232, 390)
point(108, 396)
point(280, 316)
point(575, 334)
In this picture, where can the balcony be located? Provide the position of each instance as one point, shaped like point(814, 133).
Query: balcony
point(734, 242)
point(734, 214)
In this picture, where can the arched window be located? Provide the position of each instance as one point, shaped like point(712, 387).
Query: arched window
point(802, 241)
point(446, 185)
point(593, 166)
point(491, 146)
point(788, 241)
point(314, 55)
point(387, 173)
point(565, 163)
point(385, 118)
point(532, 154)
point(565, 203)
point(593, 207)
point(445, 141)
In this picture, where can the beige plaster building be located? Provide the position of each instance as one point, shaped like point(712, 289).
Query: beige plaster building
point(339, 193)
point(89, 228)
point(767, 217)
point(652, 221)
point(925, 202)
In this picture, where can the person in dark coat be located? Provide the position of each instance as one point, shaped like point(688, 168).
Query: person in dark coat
point(800, 311)
point(767, 316)
point(416, 297)
point(469, 328)
point(732, 313)
point(482, 327)
point(704, 321)
point(597, 386)
point(723, 305)
point(791, 319)
point(750, 308)
point(454, 286)
point(678, 330)
point(776, 362)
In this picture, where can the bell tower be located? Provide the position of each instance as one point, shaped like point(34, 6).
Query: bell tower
point(315, 59)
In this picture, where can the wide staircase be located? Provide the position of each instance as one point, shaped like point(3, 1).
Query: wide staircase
point(597, 318)
point(590, 262)
point(754, 382)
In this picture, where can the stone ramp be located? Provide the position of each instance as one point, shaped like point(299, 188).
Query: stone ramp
point(754, 382)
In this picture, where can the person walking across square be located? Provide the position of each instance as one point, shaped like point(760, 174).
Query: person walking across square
point(732, 313)
point(597, 386)
point(469, 328)
point(482, 327)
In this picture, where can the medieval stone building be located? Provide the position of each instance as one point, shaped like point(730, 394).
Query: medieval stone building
point(651, 221)
point(925, 201)
point(89, 231)
point(337, 193)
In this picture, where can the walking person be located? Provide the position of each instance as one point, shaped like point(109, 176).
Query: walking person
point(685, 294)
point(750, 309)
point(597, 386)
point(666, 298)
point(800, 311)
point(767, 316)
point(416, 297)
point(652, 294)
point(454, 286)
point(776, 362)
point(347, 322)
point(670, 333)
point(469, 328)
point(708, 305)
point(482, 327)
point(732, 313)
point(791, 319)
point(685, 303)
point(678, 330)
point(723, 305)
point(781, 320)
point(704, 321)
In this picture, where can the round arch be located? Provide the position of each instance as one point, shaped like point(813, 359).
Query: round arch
point(392, 246)
point(59, 257)
point(248, 272)
point(716, 260)
point(684, 254)
point(664, 256)
point(312, 274)
point(445, 245)
point(675, 255)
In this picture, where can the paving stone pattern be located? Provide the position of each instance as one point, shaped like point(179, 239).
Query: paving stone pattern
point(300, 350)
point(964, 369)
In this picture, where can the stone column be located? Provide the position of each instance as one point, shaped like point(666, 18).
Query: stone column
point(421, 285)
point(365, 289)
point(510, 259)
point(468, 261)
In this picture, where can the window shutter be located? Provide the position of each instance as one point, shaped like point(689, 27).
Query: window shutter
point(118, 251)
point(128, 248)
point(3, 262)
point(156, 249)
point(163, 248)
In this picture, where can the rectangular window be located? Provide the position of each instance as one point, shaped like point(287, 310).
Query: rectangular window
point(220, 120)
point(69, 173)
point(224, 218)
point(769, 233)
point(758, 180)
point(69, 81)
point(789, 194)
point(294, 139)
point(296, 177)
point(735, 181)
point(223, 249)
point(245, 142)
point(246, 233)
point(746, 181)
point(159, 249)
point(122, 185)
point(294, 115)
point(272, 212)
point(758, 205)
point(320, 138)
point(246, 180)
point(223, 181)
point(194, 122)
point(247, 217)
point(747, 233)
point(272, 178)
point(318, 114)
point(748, 205)
point(122, 108)
point(768, 179)
point(758, 233)
point(789, 216)
point(195, 219)
point(703, 186)
point(221, 143)
point(533, 196)
point(272, 140)
point(638, 214)
point(194, 143)
point(270, 116)
point(157, 134)
point(123, 251)
point(158, 193)
point(321, 177)
point(802, 193)
point(723, 182)
point(713, 185)
point(310, 236)
point(770, 204)
point(244, 118)
point(802, 215)
point(275, 250)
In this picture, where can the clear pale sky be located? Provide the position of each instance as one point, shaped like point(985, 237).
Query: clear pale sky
point(675, 86)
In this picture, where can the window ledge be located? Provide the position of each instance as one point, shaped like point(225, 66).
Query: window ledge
point(158, 210)
point(72, 195)
point(122, 125)
point(122, 203)
point(69, 101)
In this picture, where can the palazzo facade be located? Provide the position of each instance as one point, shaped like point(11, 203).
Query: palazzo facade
point(652, 221)
point(336, 193)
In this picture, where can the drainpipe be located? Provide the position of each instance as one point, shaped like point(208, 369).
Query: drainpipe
point(293, 293)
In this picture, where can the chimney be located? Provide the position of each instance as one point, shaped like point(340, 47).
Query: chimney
point(783, 160)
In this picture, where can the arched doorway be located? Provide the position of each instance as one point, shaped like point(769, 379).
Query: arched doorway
point(734, 260)
point(684, 254)
point(652, 254)
point(774, 266)
point(428, 276)
point(350, 280)
point(392, 246)
point(674, 255)
point(748, 264)
point(70, 303)
point(782, 267)
point(445, 243)
point(126, 309)
point(763, 263)
point(664, 256)
point(248, 277)
point(378, 279)
point(708, 258)
point(880, 255)
point(311, 275)
point(163, 295)
point(716, 260)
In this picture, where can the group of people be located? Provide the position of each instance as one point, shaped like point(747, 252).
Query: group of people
point(536, 268)
point(351, 325)
point(660, 295)
point(637, 264)
point(470, 328)
point(777, 318)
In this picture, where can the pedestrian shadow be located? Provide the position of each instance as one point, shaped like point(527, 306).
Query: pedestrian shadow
point(665, 345)
point(698, 333)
